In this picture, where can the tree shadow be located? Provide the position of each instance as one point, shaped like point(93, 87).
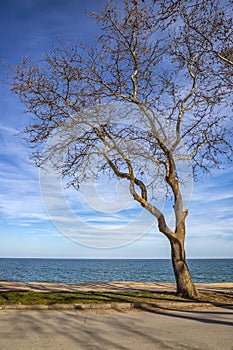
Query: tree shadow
point(194, 315)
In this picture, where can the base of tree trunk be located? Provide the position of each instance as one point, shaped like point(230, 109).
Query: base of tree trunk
point(184, 283)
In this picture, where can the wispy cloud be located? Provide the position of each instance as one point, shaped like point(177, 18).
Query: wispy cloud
point(19, 194)
point(210, 219)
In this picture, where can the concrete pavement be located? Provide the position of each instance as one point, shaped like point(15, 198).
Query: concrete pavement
point(123, 330)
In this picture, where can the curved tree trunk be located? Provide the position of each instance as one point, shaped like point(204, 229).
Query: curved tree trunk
point(184, 282)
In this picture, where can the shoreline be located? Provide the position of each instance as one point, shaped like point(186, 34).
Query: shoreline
point(108, 286)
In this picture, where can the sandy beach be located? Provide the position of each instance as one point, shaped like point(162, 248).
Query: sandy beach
point(107, 286)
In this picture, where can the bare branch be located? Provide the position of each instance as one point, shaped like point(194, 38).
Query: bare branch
point(154, 90)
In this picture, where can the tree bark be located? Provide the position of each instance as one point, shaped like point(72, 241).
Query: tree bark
point(184, 283)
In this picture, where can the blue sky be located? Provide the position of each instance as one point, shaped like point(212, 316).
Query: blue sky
point(28, 28)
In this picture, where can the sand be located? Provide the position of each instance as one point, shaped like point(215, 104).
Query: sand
point(107, 286)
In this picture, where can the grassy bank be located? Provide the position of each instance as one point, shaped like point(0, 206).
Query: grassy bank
point(49, 298)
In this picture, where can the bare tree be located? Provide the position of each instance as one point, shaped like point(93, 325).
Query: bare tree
point(171, 67)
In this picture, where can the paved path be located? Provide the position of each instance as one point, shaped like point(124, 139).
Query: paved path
point(110, 330)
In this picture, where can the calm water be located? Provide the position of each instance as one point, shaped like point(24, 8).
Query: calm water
point(85, 270)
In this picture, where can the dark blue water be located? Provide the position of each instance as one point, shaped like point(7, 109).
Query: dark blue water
point(85, 270)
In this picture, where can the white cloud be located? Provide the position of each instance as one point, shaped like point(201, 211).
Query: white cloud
point(103, 223)
point(19, 194)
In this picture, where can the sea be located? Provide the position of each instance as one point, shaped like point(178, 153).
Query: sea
point(74, 271)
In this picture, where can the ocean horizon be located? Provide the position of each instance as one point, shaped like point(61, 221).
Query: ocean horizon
point(75, 270)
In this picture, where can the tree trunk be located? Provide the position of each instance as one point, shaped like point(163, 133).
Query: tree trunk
point(184, 283)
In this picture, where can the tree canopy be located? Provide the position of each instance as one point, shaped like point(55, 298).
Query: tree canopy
point(153, 91)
